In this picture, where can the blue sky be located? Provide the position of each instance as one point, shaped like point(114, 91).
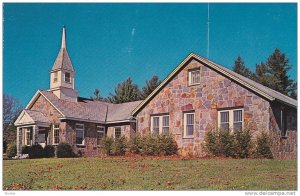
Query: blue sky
point(108, 43)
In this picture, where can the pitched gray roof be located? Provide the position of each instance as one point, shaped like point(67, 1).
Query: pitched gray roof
point(62, 61)
point(90, 110)
point(37, 116)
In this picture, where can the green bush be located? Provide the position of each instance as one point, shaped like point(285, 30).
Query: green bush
point(106, 145)
point(263, 146)
point(36, 151)
point(227, 143)
point(220, 143)
point(243, 142)
point(49, 151)
point(166, 145)
point(64, 150)
point(25, 149)
point(135, 144)
point(150, 145)
point(118, 147)
point(11, 150)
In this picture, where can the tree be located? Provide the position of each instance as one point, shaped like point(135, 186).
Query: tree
point(150, 86)
point(125, 92)
point(11, 111)
point(274, 74)
point(97, 95)
point(240, 68)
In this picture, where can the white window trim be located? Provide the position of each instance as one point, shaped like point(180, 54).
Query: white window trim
point(82, 129)
point(99, 131)
point(53, 140)
point(184, 125)
point(115, 131)
point(190, 77)
point(230, 117)
point(160, 121)
point(26, 138)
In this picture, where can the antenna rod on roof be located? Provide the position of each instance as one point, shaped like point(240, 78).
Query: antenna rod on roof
point(207, 30)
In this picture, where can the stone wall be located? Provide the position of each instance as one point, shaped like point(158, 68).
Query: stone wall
point(283, 146)
point(214, 92)
point(46, 108)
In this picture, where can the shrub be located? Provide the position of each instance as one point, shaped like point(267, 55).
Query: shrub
point(136, 144)
point(150, 145)
point(25, 149)
point(166, 145)
point(11, 150)
point(118, 146)
point(4, 146)
point(226, 143)
point(36, 151)
point(106, 145)
point(243, 143)
point(49, 151)
point(263, 146)
point(64, 150)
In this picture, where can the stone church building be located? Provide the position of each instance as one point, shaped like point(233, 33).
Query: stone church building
point(198, 95)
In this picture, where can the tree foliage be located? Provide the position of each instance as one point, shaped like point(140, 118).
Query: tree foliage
point(97, 96)
point(150, 86)
point(240, 68)
point(11, 111)
point(125, 92)
point(273, 73)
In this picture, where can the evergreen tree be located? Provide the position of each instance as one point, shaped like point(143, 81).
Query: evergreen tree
point(125, 92)
point(150, 86)
point(97, 95)
point(274, 74)
point(240, 68)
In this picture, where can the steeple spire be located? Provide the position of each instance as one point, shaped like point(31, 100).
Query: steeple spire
point(63, 38)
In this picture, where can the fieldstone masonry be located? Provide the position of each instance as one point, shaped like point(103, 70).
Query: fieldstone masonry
point(214, 92)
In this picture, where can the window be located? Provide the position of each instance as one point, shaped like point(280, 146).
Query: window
point(55, 134)
point(231, 119)
point(189, 124)
point(160, 124)
point(68, 77)
point(165, 125)
point(155, 129)
point(194, 77)
point(79, 134)
point(117, 132)
point(55, 77)
point(28, 137)
point(100, 134)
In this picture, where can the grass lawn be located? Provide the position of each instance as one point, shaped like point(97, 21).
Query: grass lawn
point(149, 174)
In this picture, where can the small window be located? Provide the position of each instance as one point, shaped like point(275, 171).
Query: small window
point(28, 137)
point(194, 77)
point(189, 124)
point(100, 134)
point(79, 134)
point(117, 132)
point(165, 125)
point(231, 119)
point(237, 120)
point(224, 124)
point(67, 77)
point(160, 124)
point(55, 134)
point(155, 129)
point(55, 77)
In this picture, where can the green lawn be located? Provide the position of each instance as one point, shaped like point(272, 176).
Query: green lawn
point(149, 174)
